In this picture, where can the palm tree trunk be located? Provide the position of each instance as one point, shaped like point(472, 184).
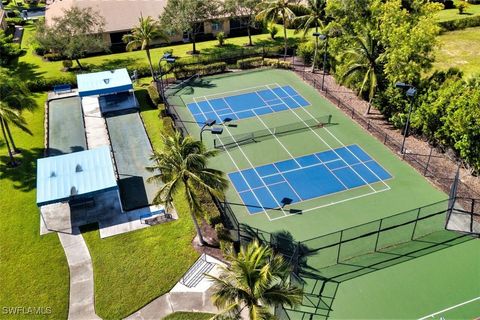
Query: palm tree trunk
point(315, 52)
point(14, 147)
point(284, 35)
point(147, 50)
point(12, 159)
point(192, 208)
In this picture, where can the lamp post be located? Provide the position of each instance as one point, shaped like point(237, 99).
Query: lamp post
point(411, 92)
point(208, 126)
point(323, 37)
point(169, 59)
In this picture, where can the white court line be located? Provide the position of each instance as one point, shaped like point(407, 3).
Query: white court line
point(335, 202)
point(314, 132)
point(449, 308)
point(245, 91)
point(246, 181)
point(335, 137)
point(253, 167)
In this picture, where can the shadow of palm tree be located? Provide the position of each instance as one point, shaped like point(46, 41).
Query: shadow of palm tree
point(24, 176)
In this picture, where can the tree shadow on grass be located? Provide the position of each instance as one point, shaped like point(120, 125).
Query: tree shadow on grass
point(25, 70)
point(24, 176)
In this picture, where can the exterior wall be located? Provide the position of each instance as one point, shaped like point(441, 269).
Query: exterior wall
point(224, 26)
point(3, 22)
point(106, 38)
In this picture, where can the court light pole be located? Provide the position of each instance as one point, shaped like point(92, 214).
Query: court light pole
point(169, 59)
point(209, 126)
point(411, 92)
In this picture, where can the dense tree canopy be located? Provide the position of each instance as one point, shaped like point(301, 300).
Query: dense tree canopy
point(8, 49)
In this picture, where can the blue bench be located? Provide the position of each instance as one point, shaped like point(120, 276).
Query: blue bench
point(62, 88)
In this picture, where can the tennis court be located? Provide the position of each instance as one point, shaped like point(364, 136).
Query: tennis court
point(298, 179)
point(308, 171)
point(260, 100)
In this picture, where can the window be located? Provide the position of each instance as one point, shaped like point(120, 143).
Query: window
point(216, 25)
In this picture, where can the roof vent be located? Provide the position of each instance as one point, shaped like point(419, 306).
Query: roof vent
point(106, 80)
point(53, 174)
point(73, 191)
point(78, 168)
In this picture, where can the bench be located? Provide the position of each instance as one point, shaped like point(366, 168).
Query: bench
point(62, 88)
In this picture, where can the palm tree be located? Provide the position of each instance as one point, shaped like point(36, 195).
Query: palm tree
point(14, 97)
point(142, 36)
point(363, 62)
point(182, 166)
point(313, 19)
point(275, 9)
point(256, 279)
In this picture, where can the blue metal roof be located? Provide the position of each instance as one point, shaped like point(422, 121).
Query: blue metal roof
point(80, 173)
point(104, 82)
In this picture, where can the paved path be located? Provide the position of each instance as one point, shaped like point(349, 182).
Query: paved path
point(82, 304)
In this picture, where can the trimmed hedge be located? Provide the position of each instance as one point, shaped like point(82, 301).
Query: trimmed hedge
point(277, 63)
point(48, 84)
point(153, 94)
point(250, 63)
point(53, 56)
point(168, 126)
point(459, 24)
point(186, 71)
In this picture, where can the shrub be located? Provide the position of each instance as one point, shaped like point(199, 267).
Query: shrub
point(53, 56)
point(460, 23)
point(272, 30)
point(153, 94)
point(277, 63)
point(168, 126)
point(462, 7)
point(16, 21)
point(47, 84)
point(186, 71)
point(222, 233)
point(67, 64)
point(39, 50)
point(306, 51)
point(249, 63)
point(221, 38)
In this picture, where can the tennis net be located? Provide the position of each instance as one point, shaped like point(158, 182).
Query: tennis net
point(264, 134)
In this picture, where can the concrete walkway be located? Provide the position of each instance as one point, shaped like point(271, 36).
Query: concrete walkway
point(183, 298)
point(82, 303)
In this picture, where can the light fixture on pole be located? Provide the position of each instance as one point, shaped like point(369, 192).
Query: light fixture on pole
point(410, 93)
point(169, 59)
point(208, 126)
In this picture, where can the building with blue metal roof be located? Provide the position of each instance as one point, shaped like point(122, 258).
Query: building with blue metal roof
point(75, 176)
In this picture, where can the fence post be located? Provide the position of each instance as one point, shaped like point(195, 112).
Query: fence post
point(315, 83)
point(339, 246)
point(415, 226)
point(471, 215)
point(378, 234)
point(428, 162)
point(385, 139)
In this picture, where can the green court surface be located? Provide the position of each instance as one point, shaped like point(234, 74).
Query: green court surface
point(132, 151)
point(404, 191)
point(411, 269)
point(66, 130)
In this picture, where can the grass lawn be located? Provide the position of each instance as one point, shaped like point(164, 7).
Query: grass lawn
point(459, 49)
point(33, 268)
point(452, 14)
point(188, 316)
point(31, 65)
point(132, 269)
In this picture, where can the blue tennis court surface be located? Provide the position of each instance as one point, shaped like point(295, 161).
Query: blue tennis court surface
point(306, 177)
point(246, 105)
